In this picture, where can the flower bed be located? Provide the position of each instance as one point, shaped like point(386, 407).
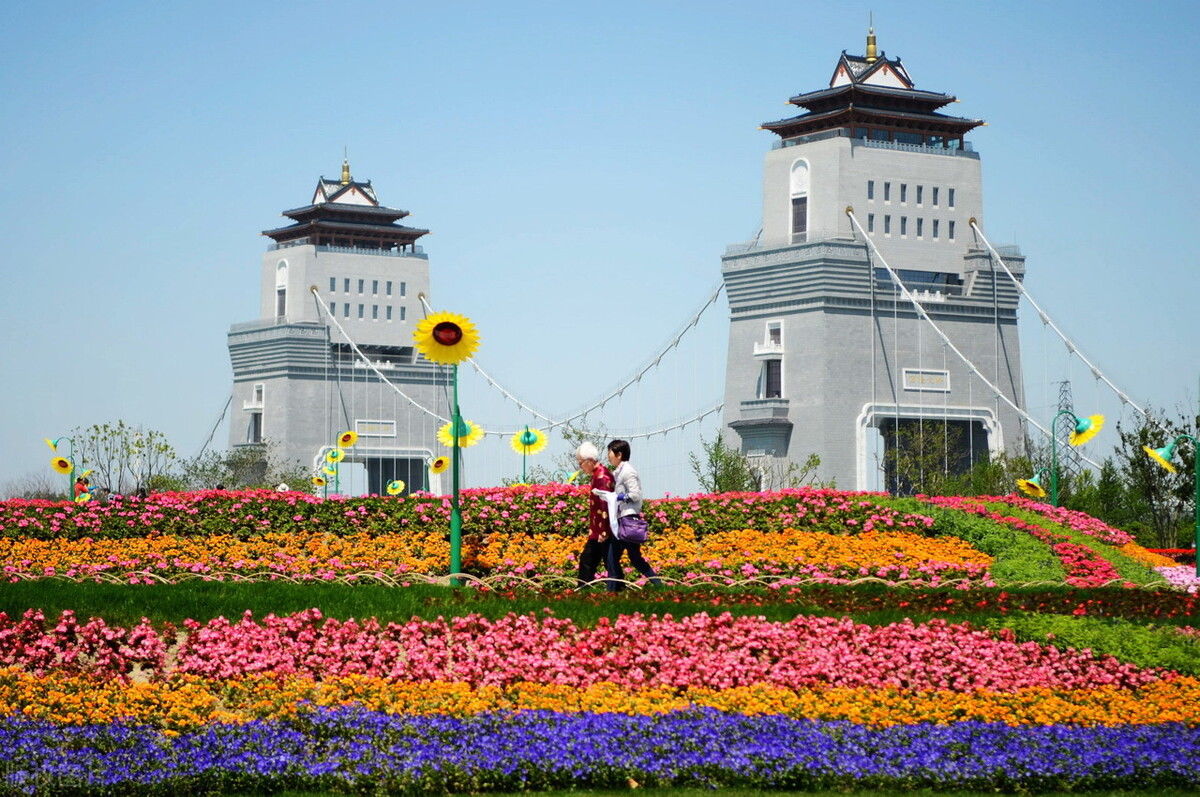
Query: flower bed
point(187, 702)
point(1085, 568)
point(353, 748)
point(1076, 521)
point(897, 555)
point(718, 652)
point(1180, 576)
point(536, 509)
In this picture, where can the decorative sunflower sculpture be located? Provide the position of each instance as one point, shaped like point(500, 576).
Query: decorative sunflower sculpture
point(395, 487)
point(1085, 429)
point(468, 435)
point(1031, 487)
point(335, 455)
point(446, 338)
point(329, 470)
point(52, 443)
point(318, 481)
point(61, 464)
point(529, 442)
point(347, 439)
point(440, 465)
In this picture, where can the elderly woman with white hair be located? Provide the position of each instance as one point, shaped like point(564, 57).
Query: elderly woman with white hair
point(596, 549)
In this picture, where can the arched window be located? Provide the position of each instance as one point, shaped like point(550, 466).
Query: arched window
point(799, 193)
point(281, 291)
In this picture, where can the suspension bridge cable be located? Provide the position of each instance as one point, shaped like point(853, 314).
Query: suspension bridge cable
point(434, 414)
point(370, 364)
point(204, 447)
point(1072, 347)
point(666, 429)
point(636, 377)
point(907, 294)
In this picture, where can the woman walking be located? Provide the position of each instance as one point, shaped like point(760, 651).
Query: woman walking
point(630, 522)
point(598, 547)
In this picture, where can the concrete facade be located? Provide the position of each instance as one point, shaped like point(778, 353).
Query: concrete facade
point(823, 352)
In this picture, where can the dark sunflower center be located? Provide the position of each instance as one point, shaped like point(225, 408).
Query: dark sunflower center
point(447, 333)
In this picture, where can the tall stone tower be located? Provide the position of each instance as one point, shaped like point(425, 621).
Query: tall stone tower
point(296, 380)
point(825, 356)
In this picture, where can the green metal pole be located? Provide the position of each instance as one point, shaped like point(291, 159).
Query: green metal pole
point(523, 455)
point(71, 475)
point(1054, 461)
point(1196, 503)
point(455, 512)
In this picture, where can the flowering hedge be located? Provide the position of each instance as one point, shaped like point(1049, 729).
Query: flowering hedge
point(361, 750)
point(539, 509)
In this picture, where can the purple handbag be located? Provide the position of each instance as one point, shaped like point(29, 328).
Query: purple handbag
point(633, 528)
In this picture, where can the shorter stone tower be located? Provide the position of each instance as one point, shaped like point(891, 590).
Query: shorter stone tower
point(296, 380)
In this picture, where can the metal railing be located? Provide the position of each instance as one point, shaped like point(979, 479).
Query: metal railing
point(408, 251)
point(968, 149)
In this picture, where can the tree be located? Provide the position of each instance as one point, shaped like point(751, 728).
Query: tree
point(249, 466)
point(993, 475)
point(38, 484)
point(923, 456)
point(1166, 498)
point(122, 457)
point(724, 469)
point(564, 463)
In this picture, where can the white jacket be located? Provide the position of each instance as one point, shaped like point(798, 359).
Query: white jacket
point(628, 482)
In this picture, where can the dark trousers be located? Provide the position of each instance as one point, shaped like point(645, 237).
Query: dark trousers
point(636, 559)
point(593, 554)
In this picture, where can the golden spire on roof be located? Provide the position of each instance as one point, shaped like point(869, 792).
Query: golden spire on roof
point(872, 55)
point(345, 171)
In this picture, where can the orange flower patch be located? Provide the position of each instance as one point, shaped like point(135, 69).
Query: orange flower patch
point(187, 702)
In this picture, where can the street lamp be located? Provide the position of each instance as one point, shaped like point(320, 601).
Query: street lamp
point(1033, 485)
point(1163, 457)
point(1083, 430)
point(64, 465)
point(526, 443)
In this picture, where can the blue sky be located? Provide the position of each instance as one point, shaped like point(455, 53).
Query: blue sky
point(146, 145)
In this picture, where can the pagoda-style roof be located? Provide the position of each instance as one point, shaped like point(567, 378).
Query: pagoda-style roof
point(346, 212)
point(874, 96)
point(879, 118)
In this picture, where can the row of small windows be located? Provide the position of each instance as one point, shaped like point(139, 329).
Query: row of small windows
point(935, 194)
point(918, 227)
point(362, 311)
point(362, 286)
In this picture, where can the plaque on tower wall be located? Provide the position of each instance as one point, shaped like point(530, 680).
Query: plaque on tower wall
point(926, 380)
